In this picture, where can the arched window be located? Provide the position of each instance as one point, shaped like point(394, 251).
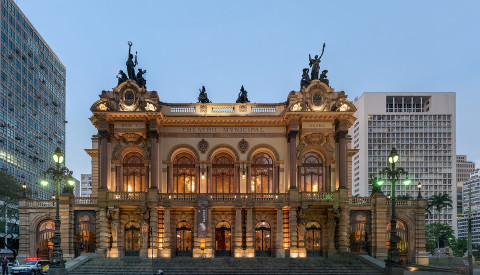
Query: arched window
point(222, 172)
point(311, 173)
point(45, 231)
point(184, 173)
point(402, 232)
point(134, 173)
point(223, 234)
point(262, 174)
point(262, 238)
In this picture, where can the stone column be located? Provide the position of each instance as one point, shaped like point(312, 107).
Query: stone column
point(250, 234)
point(342, 159)
point(328, 179)
point(103, 236)
point(379, 226)
point(103, 158)
point(276, 181)
point(332, 224)
point(167, 245)
point(118, 177)
point(236, 180)
point(154, 159)
point(293, 233)
point(115, 230)
point(238, 250)
point(279, 249)
point(343, 241)
point(209, 179)
point(170, 178)
point(292, 154)
point(153, 244)
point(421, 256)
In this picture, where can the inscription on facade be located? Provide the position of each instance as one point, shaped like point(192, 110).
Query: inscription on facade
point(128, 125)
point(317, 124)
point(229, 130)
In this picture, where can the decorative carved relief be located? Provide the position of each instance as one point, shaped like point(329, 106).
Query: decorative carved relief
point(243, 108)
point(203, 108)
point(243, 146)
point(316, 140)
point(203, 146)
point(129, 137)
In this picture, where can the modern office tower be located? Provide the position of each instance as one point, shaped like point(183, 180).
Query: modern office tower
point(472, 185)
point(32, 101)
point(464, 169)
point(32, 105)
point(83, 188)
point(421, 126)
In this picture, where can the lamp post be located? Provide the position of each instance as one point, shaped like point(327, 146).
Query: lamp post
point(24, 187)
point(393, 174)
point(419, 187)
point(58, 173)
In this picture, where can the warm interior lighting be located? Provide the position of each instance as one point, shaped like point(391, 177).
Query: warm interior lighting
point(243, 175)
point(315, 187)
point(129, 188)
point(203, 175)
point(202, 243)
point(252, 186)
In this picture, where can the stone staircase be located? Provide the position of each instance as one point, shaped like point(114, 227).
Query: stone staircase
point(178, 266)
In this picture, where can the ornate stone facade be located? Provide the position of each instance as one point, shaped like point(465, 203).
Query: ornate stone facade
point(274, 179)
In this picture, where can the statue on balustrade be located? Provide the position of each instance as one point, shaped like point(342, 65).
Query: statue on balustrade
point(130, 63)
point(122, 77)
point(323, 77)
point(202, 97)
point(140, 79)
point(305, 79)
point(242, 96)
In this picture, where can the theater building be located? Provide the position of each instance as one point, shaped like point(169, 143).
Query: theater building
point(231, 180)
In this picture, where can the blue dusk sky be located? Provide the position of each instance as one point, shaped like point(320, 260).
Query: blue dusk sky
point(371, 46)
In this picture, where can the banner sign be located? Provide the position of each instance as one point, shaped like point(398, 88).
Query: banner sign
point(202, 216)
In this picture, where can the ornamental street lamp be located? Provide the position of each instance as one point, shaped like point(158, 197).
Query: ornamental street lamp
point(393, 174)
point(58, 173)
point(419, 186)
point(24, 187)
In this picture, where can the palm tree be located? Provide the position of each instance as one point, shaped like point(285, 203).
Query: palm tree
point(439, 201)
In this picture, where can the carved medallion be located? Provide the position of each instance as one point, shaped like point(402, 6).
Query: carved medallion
point(203, 108)
point(243, 146)
point(243, 108)
point(203, 145)
point(317, 99)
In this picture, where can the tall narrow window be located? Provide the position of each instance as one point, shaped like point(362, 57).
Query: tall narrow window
point(311, 173)
point(184, 173)
point(262, 174)
point(134, 173)
point(222, 172)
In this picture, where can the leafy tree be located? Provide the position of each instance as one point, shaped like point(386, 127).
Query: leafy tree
point(11, 192)
point(459, 247)
point(439, 201)
point(434, 232)
point(404, 197)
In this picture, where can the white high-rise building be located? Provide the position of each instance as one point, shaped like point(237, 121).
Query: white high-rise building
point(421, 126)
point(471, 191)
point(83, 188)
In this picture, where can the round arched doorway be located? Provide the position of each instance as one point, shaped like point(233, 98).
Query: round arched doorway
point(262, 239)
point(313, 239)
point(45, 231)
point(223, 233)
point(132, 239)
point(184, 239)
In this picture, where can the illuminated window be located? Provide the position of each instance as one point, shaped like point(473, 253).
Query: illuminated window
point(134, 173)
point(311, 173)
point(223, 171)
point(184, 173)
point(262, 174)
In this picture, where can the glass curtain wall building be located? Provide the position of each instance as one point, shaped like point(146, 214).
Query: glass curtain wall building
point(32, 101)
point(421, 126)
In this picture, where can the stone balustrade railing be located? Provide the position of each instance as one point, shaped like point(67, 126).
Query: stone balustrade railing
point(311, 196)
point(40, 203)
point(360, 200)
point(403, 202)
point(127, 196)
point(222, 108)
point(85, 200)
